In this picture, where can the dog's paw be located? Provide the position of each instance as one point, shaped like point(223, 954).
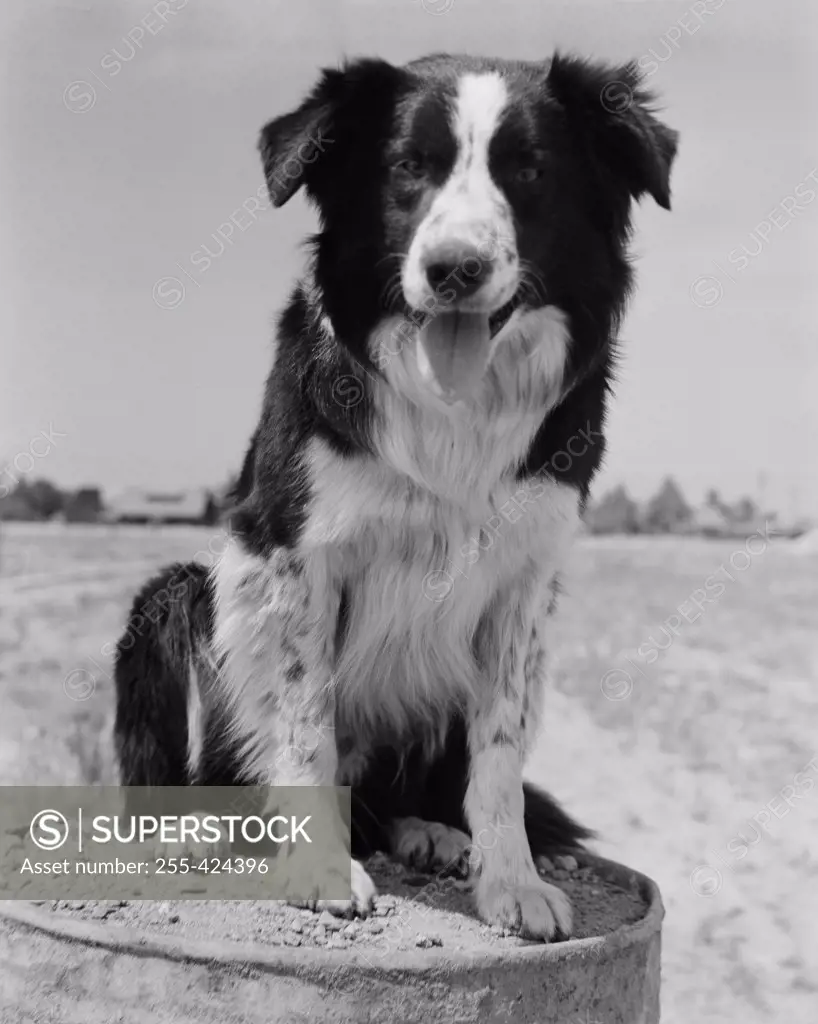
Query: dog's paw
point(362, 901)
point(534, 909)
point(430, 846)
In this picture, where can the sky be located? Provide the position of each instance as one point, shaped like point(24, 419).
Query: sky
point(128, 139)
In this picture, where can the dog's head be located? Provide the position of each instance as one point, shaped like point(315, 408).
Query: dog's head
point(461, 193)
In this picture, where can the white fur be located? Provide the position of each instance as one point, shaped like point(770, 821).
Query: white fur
point(469, 208)
point(419, 589)
point(268, 619)
point(422, 537)
point(195, 720)
point(461, 450)
point(421, 573)
point(428, 845)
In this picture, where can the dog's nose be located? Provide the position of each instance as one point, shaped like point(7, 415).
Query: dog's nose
point(456, 266)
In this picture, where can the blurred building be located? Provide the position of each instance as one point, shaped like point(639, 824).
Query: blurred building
point(708, 521)
point(140, 506)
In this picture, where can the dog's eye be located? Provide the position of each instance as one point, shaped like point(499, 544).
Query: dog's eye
point(525, 175)
point(411, 167)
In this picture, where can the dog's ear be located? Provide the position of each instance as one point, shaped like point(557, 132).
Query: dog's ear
point(289, 144)
point(297, 146)
point(615, 112)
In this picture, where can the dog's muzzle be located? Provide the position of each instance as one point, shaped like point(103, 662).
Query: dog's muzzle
point(455, 339)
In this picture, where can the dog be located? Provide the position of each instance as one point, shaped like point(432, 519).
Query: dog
point(430, 428)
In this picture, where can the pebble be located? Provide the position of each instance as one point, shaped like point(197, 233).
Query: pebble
point(102, 911)
point(567, 862)
point(350, 931)
point(296, 926)
point(375, 926)
point(384, 906)
point(545, 864)
point(427, 941)
point(332, 924)
point(291, 940)
point(336, 942)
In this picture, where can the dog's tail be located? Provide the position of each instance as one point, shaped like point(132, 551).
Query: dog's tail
point(549, 828)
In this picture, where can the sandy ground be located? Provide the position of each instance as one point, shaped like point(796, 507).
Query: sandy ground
point(688, 746)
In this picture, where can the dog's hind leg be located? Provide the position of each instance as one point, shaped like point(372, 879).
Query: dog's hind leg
point(394, 796)
point(159, 723)
point(430, 846)
point(167, 726)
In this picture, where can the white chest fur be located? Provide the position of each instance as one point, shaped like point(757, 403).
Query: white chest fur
point(419, 573)
point(431, 529)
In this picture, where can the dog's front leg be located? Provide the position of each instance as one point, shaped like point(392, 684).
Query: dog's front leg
point(509, 891)
point(274, 634)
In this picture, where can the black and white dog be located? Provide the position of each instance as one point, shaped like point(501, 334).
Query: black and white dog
point(430, 428)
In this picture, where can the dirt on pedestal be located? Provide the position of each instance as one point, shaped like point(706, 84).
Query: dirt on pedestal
point(412, 911)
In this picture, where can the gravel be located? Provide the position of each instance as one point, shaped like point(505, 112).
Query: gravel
point(411, 912)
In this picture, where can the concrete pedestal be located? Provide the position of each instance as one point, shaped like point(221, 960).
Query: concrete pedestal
point(56, 968)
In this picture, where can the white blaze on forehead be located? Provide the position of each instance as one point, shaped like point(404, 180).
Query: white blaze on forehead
point(481, 99)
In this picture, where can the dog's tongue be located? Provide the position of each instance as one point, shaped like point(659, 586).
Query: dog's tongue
point(456, 346)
